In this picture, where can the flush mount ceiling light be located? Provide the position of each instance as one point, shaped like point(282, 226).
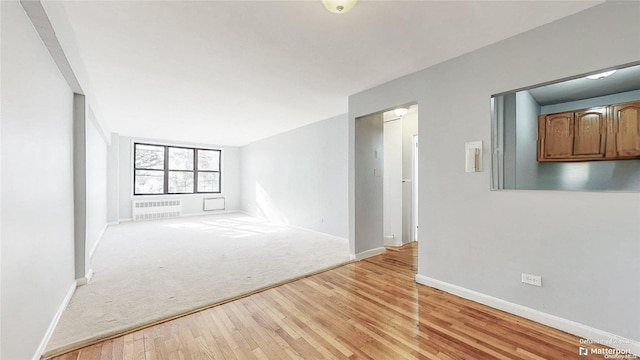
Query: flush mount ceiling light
point(400, 111)
point(339, 6)
point(601, 75)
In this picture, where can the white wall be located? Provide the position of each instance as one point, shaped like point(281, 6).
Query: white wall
point(298, 177)
point(113, 177)
point(96, 191)
point(584, 245)
point(191, 203)
point(37, 193)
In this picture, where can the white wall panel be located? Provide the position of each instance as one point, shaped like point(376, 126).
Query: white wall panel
point(299, 177)
point(37, 186)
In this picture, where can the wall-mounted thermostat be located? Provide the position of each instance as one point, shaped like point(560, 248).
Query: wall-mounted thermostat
point(473, 156)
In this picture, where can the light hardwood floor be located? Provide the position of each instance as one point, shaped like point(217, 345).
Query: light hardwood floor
point(371, 309)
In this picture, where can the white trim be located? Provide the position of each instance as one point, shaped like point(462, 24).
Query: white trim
point(95, 246)
point(351, 256)
point(89, 275)
point(572, 327)
point(369, 253)
point(319, 233)
point(85, 280)
point(208, 213)
point(54, 322)
point(392, 240)
point(204, 213)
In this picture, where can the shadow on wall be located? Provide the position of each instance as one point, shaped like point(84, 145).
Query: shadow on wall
point(267, 207)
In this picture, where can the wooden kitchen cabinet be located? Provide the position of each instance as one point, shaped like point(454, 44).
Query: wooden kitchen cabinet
point(624, 131)
point(573, 136)
point(600, 133)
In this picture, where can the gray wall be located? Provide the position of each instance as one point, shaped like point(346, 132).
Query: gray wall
point(37, 194)
point(526, 138)
point(585, 245)
point(369, 167)
point(191, 203)
point(298, 177)
point(510, 145)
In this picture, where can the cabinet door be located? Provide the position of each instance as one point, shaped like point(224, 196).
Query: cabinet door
point(556, 131)
point(624, 130)
point(590, 133)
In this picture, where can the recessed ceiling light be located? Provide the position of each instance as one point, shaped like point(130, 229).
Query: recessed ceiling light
point(601, 75)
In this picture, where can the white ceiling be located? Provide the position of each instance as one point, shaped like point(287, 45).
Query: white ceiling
point(232, 72)
point(624, 79)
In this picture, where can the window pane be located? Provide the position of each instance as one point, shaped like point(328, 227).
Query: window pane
point(149, 182)
point(149, 156)
point(180, 182)
point(208, 182)
point(209, 160)
point(180, 159)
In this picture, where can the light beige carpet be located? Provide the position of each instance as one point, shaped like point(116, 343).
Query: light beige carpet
point(145, 272)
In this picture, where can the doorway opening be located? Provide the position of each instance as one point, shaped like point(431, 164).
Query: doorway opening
point(385, 181)
point(400, 131)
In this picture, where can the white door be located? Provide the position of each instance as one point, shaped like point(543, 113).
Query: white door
point(392, 183)
point(414, 189)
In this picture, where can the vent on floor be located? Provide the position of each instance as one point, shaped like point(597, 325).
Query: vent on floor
point(156, 209)
point(214, 204)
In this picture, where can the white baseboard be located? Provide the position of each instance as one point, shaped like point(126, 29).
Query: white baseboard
point(369, 253)
point(85, 280)
point(392, 241)
point(54, 322)
point(583, 331)
point(210, 212)
point(319, 233)
point(95, 246)
point(204, 213)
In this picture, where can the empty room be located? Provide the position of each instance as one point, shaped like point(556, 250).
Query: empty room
point(319, 179)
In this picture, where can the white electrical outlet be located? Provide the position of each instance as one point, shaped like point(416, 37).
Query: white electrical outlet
point(535, 280)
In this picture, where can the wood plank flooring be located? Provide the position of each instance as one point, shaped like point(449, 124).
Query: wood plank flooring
point(371, 309)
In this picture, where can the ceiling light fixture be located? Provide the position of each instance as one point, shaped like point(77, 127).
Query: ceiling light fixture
point(401, 111)
point(601, 75)
point(339, 6)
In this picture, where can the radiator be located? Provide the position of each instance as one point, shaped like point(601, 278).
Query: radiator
point(213, 204)
point(155, 209)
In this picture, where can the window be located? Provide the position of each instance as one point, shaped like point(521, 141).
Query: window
point(161, 169)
